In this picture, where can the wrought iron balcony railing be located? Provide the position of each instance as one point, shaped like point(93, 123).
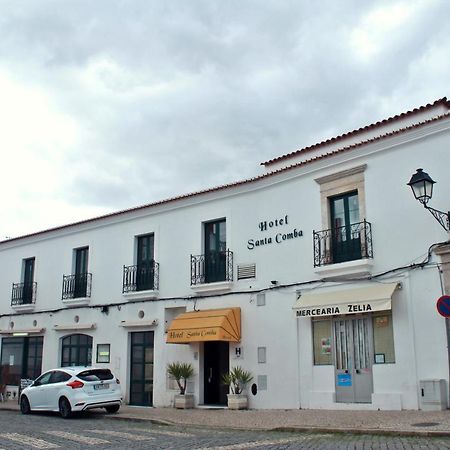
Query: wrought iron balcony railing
point(141, 277)
point(212, 267)
point(23, 293)
point(342, 244)
point(76, 286)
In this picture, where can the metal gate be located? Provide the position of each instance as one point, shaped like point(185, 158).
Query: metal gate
point(353, 352)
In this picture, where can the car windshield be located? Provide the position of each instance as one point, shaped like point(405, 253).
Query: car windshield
point(95, 375)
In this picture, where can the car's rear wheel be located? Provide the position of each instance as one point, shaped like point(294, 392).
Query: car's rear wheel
point(112, 409)
point(64, 408)
point(24, 405)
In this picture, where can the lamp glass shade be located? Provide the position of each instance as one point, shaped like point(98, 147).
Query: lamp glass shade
point(422, 186)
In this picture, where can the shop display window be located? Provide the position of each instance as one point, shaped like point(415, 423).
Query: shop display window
point(322, 342)
point(383, 338)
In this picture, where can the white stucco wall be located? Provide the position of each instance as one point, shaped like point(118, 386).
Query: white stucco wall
point(402, 232)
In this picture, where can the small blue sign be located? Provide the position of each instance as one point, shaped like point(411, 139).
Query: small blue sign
point(344, 379)
point(443, 306)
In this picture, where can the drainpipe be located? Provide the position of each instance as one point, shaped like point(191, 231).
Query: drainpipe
point(444, 271)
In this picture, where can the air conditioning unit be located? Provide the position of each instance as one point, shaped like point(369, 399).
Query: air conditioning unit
point(433, 395)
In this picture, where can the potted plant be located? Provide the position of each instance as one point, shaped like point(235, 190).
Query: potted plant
point(181, 372)
point(237, 378)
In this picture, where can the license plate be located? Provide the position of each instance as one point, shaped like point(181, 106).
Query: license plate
point(101, 386)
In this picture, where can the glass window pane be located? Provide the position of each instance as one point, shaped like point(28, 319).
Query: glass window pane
point(383, 338)
point(322, 342)
point(353, 208)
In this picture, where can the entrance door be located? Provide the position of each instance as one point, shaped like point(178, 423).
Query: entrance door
point(141, 364)
point(346, 241)
point(353, 360)
point(216, 364)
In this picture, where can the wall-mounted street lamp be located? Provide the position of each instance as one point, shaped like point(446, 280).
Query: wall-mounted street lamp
point(422, 186)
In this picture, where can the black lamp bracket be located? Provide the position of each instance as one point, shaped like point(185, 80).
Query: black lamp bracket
point(442, 217)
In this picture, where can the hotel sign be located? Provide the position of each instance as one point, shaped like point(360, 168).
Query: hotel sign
point(281, 232)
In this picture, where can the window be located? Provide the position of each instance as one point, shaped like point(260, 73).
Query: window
point(346, 235)
point(383, 338)
point(215, 251)
point(81, 272)
point(95, 375)
point(21, 358)
point(59, 377)
point(28, 278)
point(76, 350)
point(322, 342)
point(345, 229)
point(44, 379)
point(145, 263)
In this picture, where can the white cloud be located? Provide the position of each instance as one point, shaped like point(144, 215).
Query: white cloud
point(383, 26)
point(110, 104)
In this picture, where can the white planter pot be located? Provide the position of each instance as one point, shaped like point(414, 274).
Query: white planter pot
point(237, 401)
point(185, 401)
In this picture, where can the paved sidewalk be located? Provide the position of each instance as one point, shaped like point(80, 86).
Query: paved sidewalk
point(417, 423)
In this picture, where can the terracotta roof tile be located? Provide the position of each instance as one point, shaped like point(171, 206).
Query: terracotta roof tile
point(236, 183)
point(442, 101)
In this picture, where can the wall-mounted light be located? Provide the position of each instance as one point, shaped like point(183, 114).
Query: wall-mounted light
point(422, 187)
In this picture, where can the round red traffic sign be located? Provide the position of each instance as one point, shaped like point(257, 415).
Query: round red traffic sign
point(443, 305)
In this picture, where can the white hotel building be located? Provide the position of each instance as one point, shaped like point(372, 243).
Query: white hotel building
point(320, 276)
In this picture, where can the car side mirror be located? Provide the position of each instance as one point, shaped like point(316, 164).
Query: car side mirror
point(36, 383)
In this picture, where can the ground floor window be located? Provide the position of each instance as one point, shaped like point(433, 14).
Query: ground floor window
point(21, 357)
point(383, 340)
point(76, 350)
point(322, 341)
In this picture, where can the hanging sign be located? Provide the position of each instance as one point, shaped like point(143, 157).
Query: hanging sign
point(443, 306)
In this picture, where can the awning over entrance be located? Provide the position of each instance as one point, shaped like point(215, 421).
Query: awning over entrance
point(208, 325)
point(376, 297)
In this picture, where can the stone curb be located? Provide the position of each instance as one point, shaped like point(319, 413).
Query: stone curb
point(290, 429)
point(287, 429)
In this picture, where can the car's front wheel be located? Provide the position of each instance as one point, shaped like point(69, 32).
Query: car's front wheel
point(24, 405)
point(112, 409)
point(64, 408)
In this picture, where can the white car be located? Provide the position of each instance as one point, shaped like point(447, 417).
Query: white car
point(71, 389)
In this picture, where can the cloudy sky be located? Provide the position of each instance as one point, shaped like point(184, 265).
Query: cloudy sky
point(109, 104)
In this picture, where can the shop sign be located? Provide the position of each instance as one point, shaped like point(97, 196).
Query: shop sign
point(344, 379)
point(281, 232)
point(332, 310)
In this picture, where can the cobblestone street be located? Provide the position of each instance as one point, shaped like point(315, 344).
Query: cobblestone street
point(48, 431)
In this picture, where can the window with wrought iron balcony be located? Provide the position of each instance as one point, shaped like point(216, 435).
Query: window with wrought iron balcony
point(141, 277)
point(23, 294)
point(78, 284)
point(348, 239)
point(215, 266)
point(212, 267)
point(141, 280)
